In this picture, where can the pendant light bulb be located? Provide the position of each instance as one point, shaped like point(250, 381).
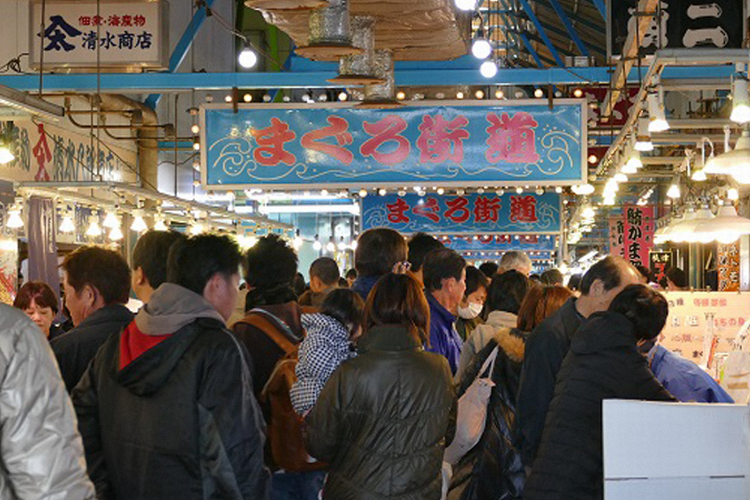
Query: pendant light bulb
point(138, 225)
point(94, 230)
point(67, 225)
point(160, 225)
point(6, 156)
point(14, 218)
point(247, 58)
point(740, 100)
point(657, 114)
point(116, 234)
point(673, 191)
point(466, 4)
point(481, 48)
point(733, 194)
point(488, 69)
point(111, 221)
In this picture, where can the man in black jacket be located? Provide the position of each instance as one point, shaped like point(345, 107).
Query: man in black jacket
point(549, 343)
point(97, 285)
point(166, 409)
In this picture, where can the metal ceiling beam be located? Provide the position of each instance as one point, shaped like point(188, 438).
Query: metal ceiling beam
point(542, 33)
point(569, 27)
point(563, 33)
point(183, 46)
point(645, 9)
point(585, 22)
point(599, 4)
point(524, 38)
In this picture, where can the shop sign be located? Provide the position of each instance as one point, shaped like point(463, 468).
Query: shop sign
point(8, 269)
point(715, 24)
point(729, 267)
point(48, 153)
point(424, 144)
point(617, 236)
point(703, 321)
point(472, 213)
point(620, 113)
point(659, 261)
point(638, 233)
point(501, 243)
point(92, 34)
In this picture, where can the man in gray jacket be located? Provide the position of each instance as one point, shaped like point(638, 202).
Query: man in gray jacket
point(41, 454)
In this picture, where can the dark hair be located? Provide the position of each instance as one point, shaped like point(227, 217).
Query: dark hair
point(378, 249)
point(105, 270)
point(39, 292)
point(677, 276)
point(398, 299)
point(151, 252)
point(351, 273)
point(489, 269)
point(419, 246)
point(535, 278)
point(442, 263)
point(552, 277)
point(300, 286)
point(192, 262)
point(646, 308)
point(506, 292)
point(609, 270)
point(343, 283)
point(540, 302)
point(326, 269)
point(574, 282)
point(644, 271)
point(270, 262)
point(475, 279)
point(345, 306)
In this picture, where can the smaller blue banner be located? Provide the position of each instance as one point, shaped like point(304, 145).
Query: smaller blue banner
point(502, 243)
point(472, 213)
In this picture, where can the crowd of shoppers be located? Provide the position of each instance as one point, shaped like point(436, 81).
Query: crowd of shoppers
point(350, 388)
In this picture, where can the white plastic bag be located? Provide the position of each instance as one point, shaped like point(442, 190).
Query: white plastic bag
point(472, 412)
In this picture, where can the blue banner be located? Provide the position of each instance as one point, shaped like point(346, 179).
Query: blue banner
point(472, 213)
point(502, 243)
point(447, 144)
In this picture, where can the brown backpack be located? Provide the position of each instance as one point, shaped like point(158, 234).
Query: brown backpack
point(285, 426)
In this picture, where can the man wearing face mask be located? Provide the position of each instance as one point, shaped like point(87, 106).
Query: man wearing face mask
point(472, 303)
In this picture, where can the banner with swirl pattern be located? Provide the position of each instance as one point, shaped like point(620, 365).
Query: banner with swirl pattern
point(469, 214)
point(456, 143)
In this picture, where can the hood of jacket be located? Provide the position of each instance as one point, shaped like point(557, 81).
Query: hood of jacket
point(322, 324)
point(499, 319)
point(170, 308)
point(602, 331)
point(513, 342)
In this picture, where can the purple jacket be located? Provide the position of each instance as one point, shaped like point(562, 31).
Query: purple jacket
point(444, 338)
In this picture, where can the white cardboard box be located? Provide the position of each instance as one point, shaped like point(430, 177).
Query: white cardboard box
point(680, 451)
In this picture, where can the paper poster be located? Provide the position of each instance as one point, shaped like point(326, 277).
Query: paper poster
point(638, 237)
point(8, 270)
point(729, 267)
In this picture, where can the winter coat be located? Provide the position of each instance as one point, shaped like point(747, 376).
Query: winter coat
point(41, 454)
point(383, 420)
point(166, 409)
point(465, 327)
point(264, 352)
point(76, 348)
point(603, 363)
point(363, 284)
point(492, 470)
point(325, 347)
point(444, 338)
point(546, 348)
point(481, 336)
point(685, 380)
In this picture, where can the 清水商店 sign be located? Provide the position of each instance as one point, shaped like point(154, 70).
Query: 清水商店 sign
point(423, 144)
point(471, 213)
point(119, 34)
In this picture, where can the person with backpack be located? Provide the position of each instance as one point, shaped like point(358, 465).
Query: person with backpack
point(272, 331)
point(384, 417)
point(329, 342)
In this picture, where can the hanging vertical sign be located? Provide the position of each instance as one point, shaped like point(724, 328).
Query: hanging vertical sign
point(638, 233)
point(617, 236)
point(89, 34)
point(729, 267)
point(681, 24)
point(659, 262)
point(43, 243)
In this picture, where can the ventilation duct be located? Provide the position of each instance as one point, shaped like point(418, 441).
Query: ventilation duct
point(329, 33)
point(358, 69)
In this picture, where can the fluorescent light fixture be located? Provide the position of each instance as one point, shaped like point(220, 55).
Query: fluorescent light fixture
point(643, 137)
point(740, 98)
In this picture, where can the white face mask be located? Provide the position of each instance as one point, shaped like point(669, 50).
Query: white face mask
point(471, 311)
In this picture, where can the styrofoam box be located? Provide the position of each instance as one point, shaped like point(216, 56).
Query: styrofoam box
point(680, 451)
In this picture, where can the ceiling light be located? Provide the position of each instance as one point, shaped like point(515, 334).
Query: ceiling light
point(111, 221)
point(138, 225)
point(14, 217)
point(94, 230)
point(247, 97)
point(727, 226)
point(466, 4)
point(479, 94)
point(657, 115)
point(247, 58)
point(6, 156)
point(578, 93)
point(116, 234)
point(539, 191)
point(628, 169)
point(593, 159)
point(643, 137)
point(342, 246)
point(538, 93)
point(674, 190)
point(481, 48)
point(735, 162)
point(195, 129)
point(400, 96)
point(488, 69)
point(228, 98)
point(699, 174)
point(499, 94)
point(160, 225)
point(634, 162)
point(343, 96)
point(330, 247)
point(733, 194)
point(362, 193)
point(740, 98)
point(382, 191)
point(67, 225)
point(559, 190)
point(583, 189)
